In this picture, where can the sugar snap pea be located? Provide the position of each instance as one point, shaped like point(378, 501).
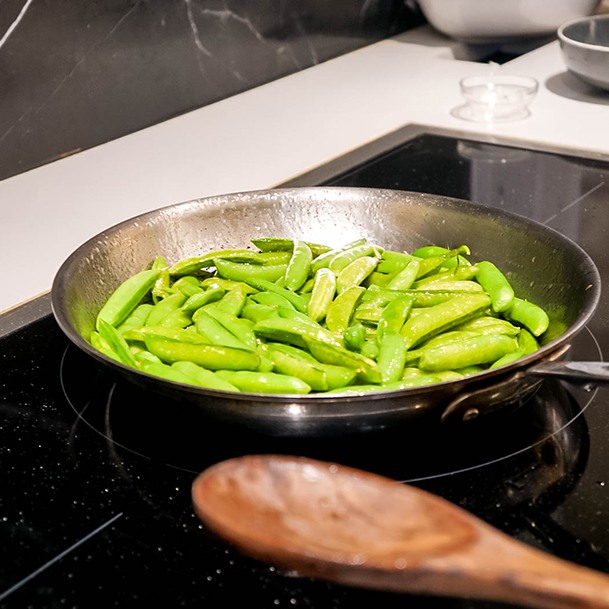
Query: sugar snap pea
point(404, 279)
point(165, 306)
point(496, 285)
point(394, 315)
point(203, 377)
point(322, 294)
point(116, 342)
point(286, 362)
point(331, 353)
point(215, 332)
point(200, 299)
point(355, 272)
point(293, 332)
point(137, 318)
point(241, 271)
point(126, 297)
point(457, 354)
point(440, 317)
point(529, 315)
point(298, 317)
point(299, 266)
point(323, 260)
point(340, 311)
point(212, 357)
point(281, 244)
point(299, 301)
point(391, 358)
point(240, 328)
point(264, 382)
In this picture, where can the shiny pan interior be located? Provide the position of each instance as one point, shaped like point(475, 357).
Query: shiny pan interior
point(542, 265)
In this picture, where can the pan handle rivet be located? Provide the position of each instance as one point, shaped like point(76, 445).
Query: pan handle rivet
point(471, 413)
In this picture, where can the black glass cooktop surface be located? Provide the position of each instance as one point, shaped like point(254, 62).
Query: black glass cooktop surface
point(95, 474)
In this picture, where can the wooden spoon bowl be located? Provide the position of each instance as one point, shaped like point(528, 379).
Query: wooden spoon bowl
point(345, 525)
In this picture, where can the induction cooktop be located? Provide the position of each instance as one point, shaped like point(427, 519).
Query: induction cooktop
point(95, 474)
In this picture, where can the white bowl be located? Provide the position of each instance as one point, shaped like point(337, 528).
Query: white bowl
point(502, 21)
point(584, 44)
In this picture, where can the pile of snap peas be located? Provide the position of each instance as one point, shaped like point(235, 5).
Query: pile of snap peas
point(296, 317)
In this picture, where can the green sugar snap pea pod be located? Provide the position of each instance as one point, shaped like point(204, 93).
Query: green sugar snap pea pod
point(242, 271)
point(264, 382)
point(394, 315)
point(404, 279)
point(341, 309)
point(288, 313)
point(197, 265)
point(323, 260)
point(226, 284)
point(322, 294)
point(281, 244)
point(355, 337)
point(216, 333)
point(299, 266)
point(239, 327)
point(255, 312)
point(293, 331)
point(188, 285)
point(285, 362)
point(392, 262)
point(233, 301)
point(461, 272)
point(298, 300)
point(468, 352)
point(431, 264)
point(527, 343)
point(126, 297)
point(348, 256)
point(165, 306)
point(184, 335)
point(137, 318)
point(367, 369)
point(355, 272)
point(496, 285)
point(488, 324)
point(116, 342)
point(162, 285)
point(212, 357)
point(99, 344)
point(336, 376)
point(271, 299)
point(529, 315)
point(203, 377)
point(391, 358)
point(441, 317)
point(164, 371)
point(200, 299)
point(450, 284)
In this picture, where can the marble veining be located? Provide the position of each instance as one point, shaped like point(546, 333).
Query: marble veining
point(75, 75)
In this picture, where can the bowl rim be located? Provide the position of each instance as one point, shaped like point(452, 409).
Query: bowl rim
point(563, 37)
point(527, 83)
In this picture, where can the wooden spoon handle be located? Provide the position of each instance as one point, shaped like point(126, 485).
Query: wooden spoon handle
point(503, 569)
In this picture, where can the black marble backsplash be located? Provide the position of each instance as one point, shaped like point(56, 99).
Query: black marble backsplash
point(75, 74)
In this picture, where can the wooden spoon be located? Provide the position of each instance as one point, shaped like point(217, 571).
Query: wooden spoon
point(341, 524)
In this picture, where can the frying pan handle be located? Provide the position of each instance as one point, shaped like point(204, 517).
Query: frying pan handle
point(583, 373)
point(520, 386)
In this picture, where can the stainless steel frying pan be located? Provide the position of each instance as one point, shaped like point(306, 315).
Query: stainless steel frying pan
point(542, 265)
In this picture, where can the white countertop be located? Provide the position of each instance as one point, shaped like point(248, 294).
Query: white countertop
point(265, 136)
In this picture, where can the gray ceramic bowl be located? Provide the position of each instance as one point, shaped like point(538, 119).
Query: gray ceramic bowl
point(585, 49)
